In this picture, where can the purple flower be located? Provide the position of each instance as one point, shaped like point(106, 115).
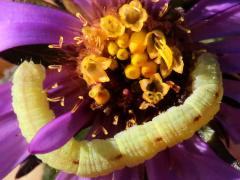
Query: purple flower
point(25, 24)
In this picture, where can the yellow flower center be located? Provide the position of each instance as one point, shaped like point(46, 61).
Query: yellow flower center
point(132, 51)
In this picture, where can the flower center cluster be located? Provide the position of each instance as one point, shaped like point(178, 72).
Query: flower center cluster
point(126, 64)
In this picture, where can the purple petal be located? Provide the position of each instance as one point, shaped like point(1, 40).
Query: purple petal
point(88, 9)
point(205, 9)
point(192, 159)
point(6, 98)
point(13, 145)
point(135, 173)
point(232, 89)
point(221, 25)
point(154, 8)
point(230, 63)
point(227, 46)
point(59, 131)
point(229, 118)
point(64, 176)
point(26, 24)
point(69, 86)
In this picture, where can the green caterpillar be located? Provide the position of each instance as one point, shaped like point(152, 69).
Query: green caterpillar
point(129, 147)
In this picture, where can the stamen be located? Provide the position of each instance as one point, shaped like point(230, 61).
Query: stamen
point(164, 10)
point(184, 29)
point(62, 102)
point(78, 39)
point(55, 67)
point(173, 86)
point(115, 120)
point(80, 97)
point(54, 86)
point(131, 123)
point(56, 99)
point(82, 19)
point(155, 1)
point(57, 46)
point(105, 132)
point(95, 132)
point(76, 106)
point(144, 105)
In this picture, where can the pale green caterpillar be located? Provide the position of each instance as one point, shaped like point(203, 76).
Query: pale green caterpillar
point(127, 148)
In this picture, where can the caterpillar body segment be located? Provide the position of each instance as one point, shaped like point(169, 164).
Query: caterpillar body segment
point(165, 130)
point(32, 109)
point(207, 73)
point(28, 83)
point(129, 147)
point(180, 122)
point(95, 157)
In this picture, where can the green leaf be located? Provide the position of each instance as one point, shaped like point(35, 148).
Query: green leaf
point(82, 134)
point(49, 173)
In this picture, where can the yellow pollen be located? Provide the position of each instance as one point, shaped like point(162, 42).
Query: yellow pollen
point(112, 48)
point(123, 41)
point(139, 59)
point(132, 72)
point(123, 54)
point(136, 44)
point(99, 94)
point(57, 46)
point(82, 19)
point(149, 69)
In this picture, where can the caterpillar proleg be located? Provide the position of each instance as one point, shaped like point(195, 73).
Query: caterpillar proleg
point(129, 147)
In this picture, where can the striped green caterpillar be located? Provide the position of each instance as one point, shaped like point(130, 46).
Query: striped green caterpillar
point(129, 147)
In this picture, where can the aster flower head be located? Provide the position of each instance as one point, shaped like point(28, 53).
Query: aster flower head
point(134, 77)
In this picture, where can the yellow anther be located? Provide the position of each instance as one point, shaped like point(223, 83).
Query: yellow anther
point(112, 26)
point(149, 69)
point(112, 48)
point(133, 15)
point(99, 94)
point(139, 59)
point(136, 44)
point(122, 54)
point(123, 41)
point(114, 65)
point(178, 63)
point(132, 72)
point(167, 55)
point(93, 69)
point(153, 40)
